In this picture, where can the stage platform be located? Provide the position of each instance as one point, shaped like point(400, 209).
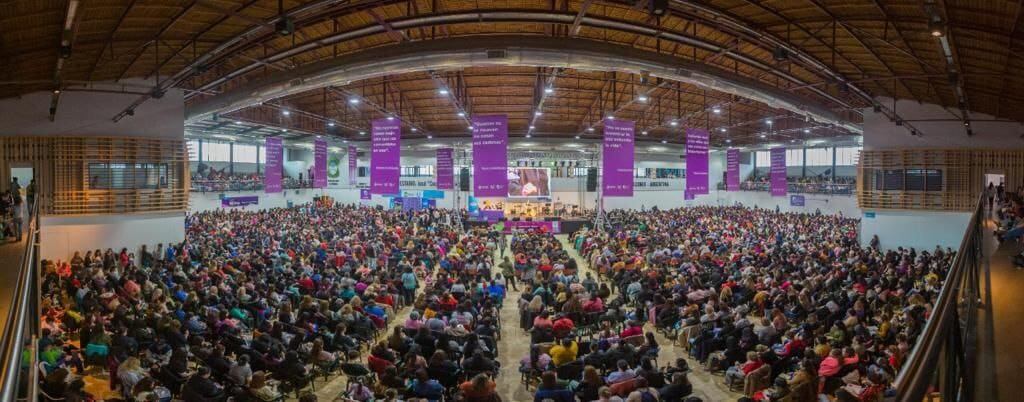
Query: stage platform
point(557, 225)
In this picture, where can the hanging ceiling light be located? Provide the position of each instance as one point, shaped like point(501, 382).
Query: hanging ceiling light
point(642, 98)
point(716, 110)
point(442, 91)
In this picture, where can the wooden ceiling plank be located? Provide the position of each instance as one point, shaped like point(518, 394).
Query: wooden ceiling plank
point(109, 39)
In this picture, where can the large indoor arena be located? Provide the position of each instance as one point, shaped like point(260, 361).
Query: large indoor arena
point(523, 200)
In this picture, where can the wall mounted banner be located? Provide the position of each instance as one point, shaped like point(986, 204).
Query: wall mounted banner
point(319, 164)
point(732, 170)
point(386, 137)
point(617, 158)
point(797, 201)
point(490, 156)
point(353, 158)
point(445, 168)
point(697, 161)
point(272, 167)
point(778, 172)
point(240, 201)
point(364, 194)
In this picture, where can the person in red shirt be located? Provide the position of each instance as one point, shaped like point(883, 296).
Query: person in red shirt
point(562, 326)
point(633, 328)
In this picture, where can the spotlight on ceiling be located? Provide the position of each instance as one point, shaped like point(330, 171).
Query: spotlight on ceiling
point(577, 137)
point(590, 129)
point(643, 132)
point(442, 91)
point(532, 127)
point(470, 127)
point(673, 123)
point(763, 136)
point(391, 117)
point(537, 113)
point(549, 90)
point(353, 100)
point(527, 135)
point(610, 117)
point(642, 98)
point(429, 136)
point(664, 141)
point(286, 112)
point(284, 130)
point(807, 131)
point(723, 129)
point(936, 28)
point(716, 110)
point(728, 141)
point(769, 121)
point(330, 124)
point(461, 114)
point(414, 129)
point(362, 133)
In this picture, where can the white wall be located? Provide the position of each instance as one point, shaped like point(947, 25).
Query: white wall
point(880, 133)
point(919, 229)
point(91, 114)
point(62, 236)
point(828, 204)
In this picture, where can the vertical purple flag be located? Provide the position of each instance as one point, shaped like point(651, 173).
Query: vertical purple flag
point(490, 156)
point(319, 164)
point(386, 137)
point(445, 167)
point(617, 158)
point(353, 155)
point(697, 161)
point(732, 170)
point(273, 165)
point(778, 172)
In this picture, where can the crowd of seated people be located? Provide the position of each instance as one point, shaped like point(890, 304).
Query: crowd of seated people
point(1007, 210)
point(256, 305)
point(585, 345)
point(782, 305)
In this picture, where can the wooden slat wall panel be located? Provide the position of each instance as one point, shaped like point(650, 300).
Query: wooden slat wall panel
point(62, 173)
point(963, 176)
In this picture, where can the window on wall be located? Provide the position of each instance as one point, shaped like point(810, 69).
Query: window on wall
point(417, 171)
point(193, 150)
point(764, 158)
point(245, 153)
point(127, 176)
point(261, 154)
point(794, 157)
point(847, 156)
point(216, 152)
point(819, 157)
point(640, 173)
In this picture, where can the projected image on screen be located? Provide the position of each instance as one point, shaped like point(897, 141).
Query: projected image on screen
point(528, 182)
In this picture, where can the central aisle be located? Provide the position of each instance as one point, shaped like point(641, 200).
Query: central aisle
point(515, 344)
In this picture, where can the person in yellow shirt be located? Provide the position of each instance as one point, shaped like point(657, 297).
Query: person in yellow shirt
point(564, 352)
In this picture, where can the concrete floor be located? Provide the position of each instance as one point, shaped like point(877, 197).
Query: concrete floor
point(1000, 322)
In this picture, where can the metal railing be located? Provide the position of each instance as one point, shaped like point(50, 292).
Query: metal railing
point(943, 360)
point(18, 382)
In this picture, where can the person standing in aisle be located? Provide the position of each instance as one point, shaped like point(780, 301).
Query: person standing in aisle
point(16, 191)
point(30, 193)
point(508, 271)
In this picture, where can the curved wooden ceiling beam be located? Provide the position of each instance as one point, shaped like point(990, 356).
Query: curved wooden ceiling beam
point(464, 52)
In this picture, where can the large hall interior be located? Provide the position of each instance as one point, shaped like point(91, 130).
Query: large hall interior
point(519, 200)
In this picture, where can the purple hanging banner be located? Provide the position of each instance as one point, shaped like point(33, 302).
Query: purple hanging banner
point(273, 165)
point(617, 158)
point(353, 156)
point(386, 137)
point(319, 164)
point(445, 167)
point(490, 156)
point(778, 172)
point(732, 170)
point(696, 161)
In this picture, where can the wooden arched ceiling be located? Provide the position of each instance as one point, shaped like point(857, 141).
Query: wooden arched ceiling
point(841, 54)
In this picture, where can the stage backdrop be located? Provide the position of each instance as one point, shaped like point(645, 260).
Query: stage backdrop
point(490, 156)
point(778, 172)
point(386, 137)
point(273, 165)
point(732, 170)
point(617, 158)
point(696, 161)
point(353, 155)
point(445, 169)
point(320, 164)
